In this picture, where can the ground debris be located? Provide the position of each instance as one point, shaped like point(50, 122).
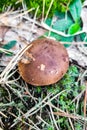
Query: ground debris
point(78, 53)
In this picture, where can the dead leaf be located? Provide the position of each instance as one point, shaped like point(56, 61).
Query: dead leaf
point(3, 30)
point(84, 16)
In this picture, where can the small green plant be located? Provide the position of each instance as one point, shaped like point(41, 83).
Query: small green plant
point(60, 5)
point(21, 102)
point(65, 100)
point(6, 3)
point(69, 25)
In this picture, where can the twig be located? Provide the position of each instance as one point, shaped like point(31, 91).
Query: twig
point(58, 32)
point(70, 121)
point(43, 10)
point(45, 26)
point(39, 105)
point(1, 128)
point(53, 118)
point(66, 115)
point(25, 12)
point(32, 28)
point(11, 65)
point(85, 103)
point(77, 97)
point(38, 117)
point(20, 119)
point(1, 113)
point(49, 9)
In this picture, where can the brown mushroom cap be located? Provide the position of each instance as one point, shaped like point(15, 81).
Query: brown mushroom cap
point(48, 64)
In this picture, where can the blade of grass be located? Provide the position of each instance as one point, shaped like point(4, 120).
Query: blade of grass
point(50, 6)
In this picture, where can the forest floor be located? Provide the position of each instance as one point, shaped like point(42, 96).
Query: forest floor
point(61, 106)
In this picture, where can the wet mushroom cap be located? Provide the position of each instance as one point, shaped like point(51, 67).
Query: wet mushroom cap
point(44, 63)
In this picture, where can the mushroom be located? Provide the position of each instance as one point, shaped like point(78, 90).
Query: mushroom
point(44, 63)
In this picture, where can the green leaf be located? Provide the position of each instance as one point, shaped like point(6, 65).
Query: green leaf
point(10, 45)
point(67, 45)
point(48, 21)
point(59, 14)
point(83, 37)
point(61, 38)
point(74, 28)
point(75, 9)
point(63, 24)
point(8, 53)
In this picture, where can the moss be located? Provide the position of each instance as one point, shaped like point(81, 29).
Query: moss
point(60, 5)
point(4, 4)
